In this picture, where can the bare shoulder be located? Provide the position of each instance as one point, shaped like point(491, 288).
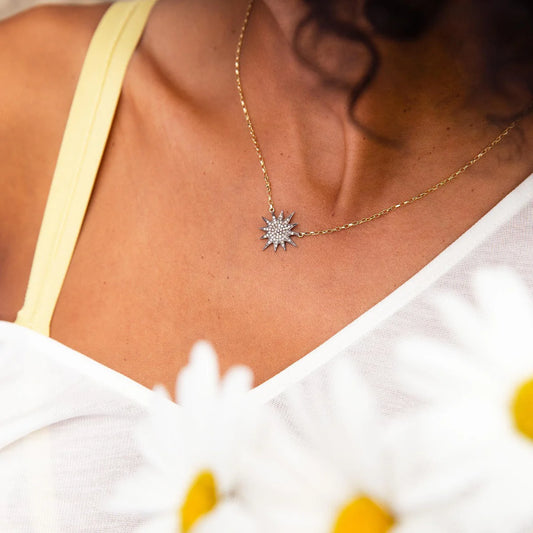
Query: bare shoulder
point(41, 50)
point(41, 55)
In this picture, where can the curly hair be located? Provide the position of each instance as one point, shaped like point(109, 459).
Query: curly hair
point(504, 29)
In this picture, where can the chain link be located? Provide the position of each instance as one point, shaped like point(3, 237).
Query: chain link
point(245, 107)
point(370, 218)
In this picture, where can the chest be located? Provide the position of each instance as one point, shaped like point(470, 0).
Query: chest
point(170, 253)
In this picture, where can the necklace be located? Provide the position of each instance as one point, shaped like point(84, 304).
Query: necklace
point(279, 230)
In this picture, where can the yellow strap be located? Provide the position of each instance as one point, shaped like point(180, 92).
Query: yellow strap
point(84, 140)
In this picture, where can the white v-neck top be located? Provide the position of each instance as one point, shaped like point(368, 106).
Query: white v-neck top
point(67, 421)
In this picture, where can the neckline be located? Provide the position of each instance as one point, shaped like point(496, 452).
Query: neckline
point(297, 371)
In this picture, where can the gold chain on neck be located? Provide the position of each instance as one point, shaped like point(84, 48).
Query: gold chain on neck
point(375, 216)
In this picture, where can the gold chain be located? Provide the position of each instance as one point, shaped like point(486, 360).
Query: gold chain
point(379, 214)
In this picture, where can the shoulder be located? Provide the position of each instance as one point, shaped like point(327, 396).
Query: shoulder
point(41, 55)
point(39, 42)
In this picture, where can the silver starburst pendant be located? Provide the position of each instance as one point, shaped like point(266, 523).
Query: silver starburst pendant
point(278, 231)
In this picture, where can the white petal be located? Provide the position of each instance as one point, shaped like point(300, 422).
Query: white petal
point(358, 437)
point(498, 330)
point(297, 520)
point(435, 371)
point(419, 525)
point(507, 307)
point(465, 323)
point(227, 517)
point(237, 381)
point(289, 471)
point(299, 405)
point(232, 445)
point(197, 383)
point(160, 436)
point(236, 421)
point(504, 299)
point(502, 503)
point(146, 491)
point(163, 523)
point(441, 453)
point(353, 403)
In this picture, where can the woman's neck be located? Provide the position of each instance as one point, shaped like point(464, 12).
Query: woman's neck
point(423, 109)
point(420, 99)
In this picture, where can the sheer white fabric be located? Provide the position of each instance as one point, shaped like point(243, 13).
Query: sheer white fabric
point(66, 421)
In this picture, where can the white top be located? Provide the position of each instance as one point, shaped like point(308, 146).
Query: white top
point(67, 421)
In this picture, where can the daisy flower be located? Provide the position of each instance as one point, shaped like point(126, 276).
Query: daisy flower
point(189, 482)
point(332, 473)
point(478, 391)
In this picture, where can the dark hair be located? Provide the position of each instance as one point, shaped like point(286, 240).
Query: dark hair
point(504, 29)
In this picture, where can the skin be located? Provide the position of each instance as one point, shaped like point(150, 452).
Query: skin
point(170, 249)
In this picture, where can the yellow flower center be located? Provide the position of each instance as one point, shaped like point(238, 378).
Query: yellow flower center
point(201, 498)
point(363, 515)
point(523, 409)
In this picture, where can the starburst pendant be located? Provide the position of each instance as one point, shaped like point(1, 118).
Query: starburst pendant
point(278, 231)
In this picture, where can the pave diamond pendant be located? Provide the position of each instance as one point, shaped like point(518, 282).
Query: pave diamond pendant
point(278, 231)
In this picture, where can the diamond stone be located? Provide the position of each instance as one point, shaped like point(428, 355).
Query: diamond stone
point(278, 231)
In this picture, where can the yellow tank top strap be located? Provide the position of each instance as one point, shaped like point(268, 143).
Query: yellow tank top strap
point(84, 140)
